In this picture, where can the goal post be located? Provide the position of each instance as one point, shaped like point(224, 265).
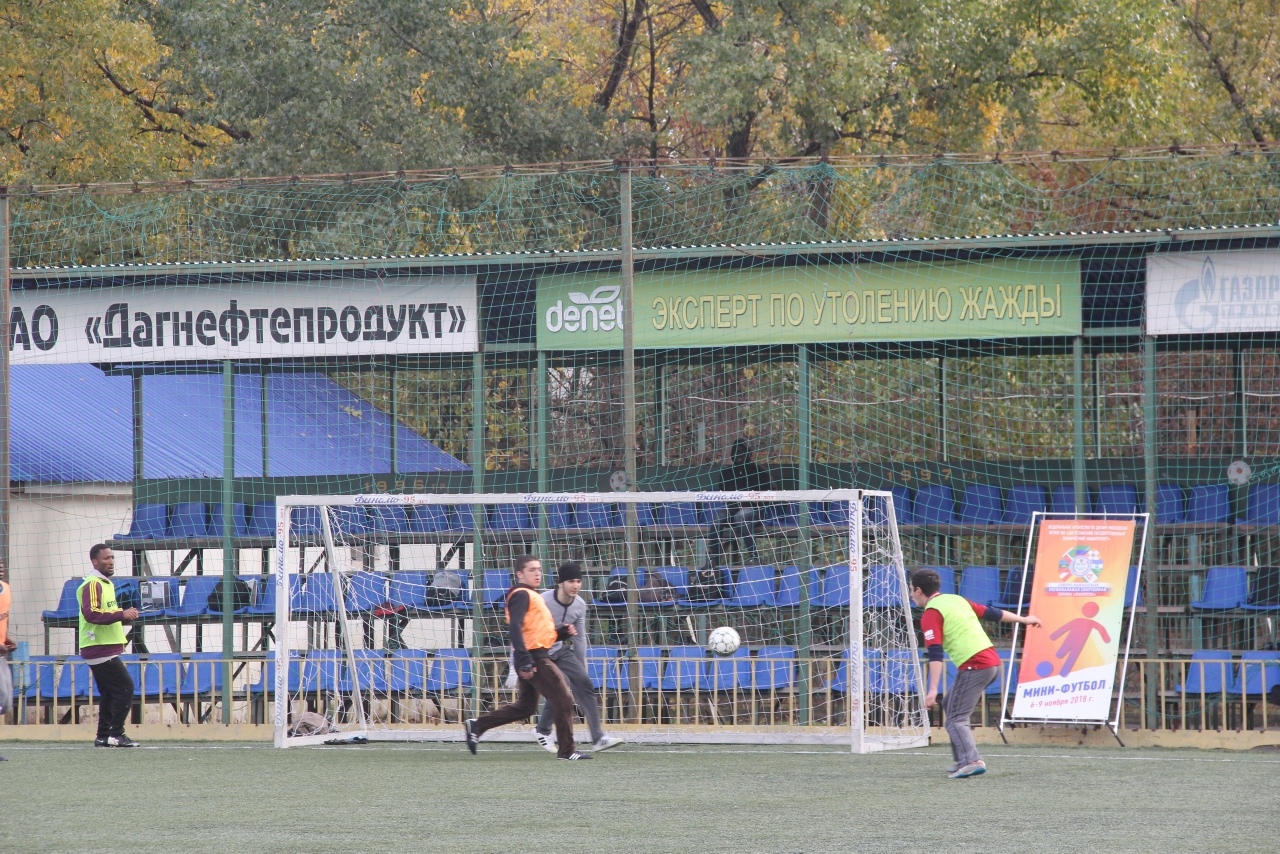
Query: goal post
point(390, 624)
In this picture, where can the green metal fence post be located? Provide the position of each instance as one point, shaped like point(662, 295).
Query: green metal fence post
point(228, 530)
point(1150, 450)
point(478, 517)
point(1078, 471)
point(805, 627)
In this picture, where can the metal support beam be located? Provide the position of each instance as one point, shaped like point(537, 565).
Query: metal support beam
point(804, 628)
point(631, 522)
point(228, 530)
point(1078, 470)
point(1151, 474)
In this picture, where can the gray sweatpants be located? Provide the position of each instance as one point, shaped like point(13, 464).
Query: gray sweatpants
point(584, 695)
point(962, 699)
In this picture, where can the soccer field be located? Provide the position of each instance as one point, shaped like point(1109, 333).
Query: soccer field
point(515, 798)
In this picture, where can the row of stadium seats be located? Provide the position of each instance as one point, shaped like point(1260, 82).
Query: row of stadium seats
point(976, 504)
point(1213, 672)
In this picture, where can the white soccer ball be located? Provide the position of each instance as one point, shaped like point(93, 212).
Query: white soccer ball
point(723, 641)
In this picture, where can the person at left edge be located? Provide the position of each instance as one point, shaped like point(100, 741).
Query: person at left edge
point(102, 640)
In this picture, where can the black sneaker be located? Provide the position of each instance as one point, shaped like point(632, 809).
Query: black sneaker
point(121, 740)
point(472, 739)
point(100, 742)
point(576, 755)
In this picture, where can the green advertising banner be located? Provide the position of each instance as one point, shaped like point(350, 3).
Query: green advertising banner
point(814, 304)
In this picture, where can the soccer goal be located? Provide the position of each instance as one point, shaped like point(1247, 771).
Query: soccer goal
point(390, 614)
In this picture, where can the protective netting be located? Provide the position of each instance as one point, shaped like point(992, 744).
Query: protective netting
point(983, 338)
point(577, 207)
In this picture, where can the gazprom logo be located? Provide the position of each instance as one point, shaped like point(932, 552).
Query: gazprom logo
point(599, 311)
point(1203, 303)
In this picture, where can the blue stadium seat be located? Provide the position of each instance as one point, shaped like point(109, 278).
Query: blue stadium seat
point(712, 512)
point(753, 588)
point(902, 505)
point(494, 585)
point(1264, 504)
point(348, 523)
point(408, 590)
point(203, 676)
point(789, 587)
point(616, 572)
point(195, 597)
point(723, 674)
point(75, 681)
point(429, 519)
point(327, 666)
point(786, 515)
point(678, 515)
point(835, 587)
point(1064, 500)
point(1023, 500)
point(885, 588)
point(1264, 594)
point(150, 522)
point(365, 592)
point(510, 517)
point(597, 515)
point(980, 584)
point(408, 672)
point(389, 520)
point(607, 669)
point(304, 522)
point(1225, 588)
point(239, 524)
point(1171, 504)
point(1005, 679)
point(559, 517)
point(1209, 503)
point(933, 505)
point(462, 518)
point(775, 668)
point(644, 515)
point(983, 505)
point(839, 683)
point(68, 607)
point(726, 585)
point(316, 598)
point(1209, 672)
point(1259, 673)
point(676, 576)
point(683, 668)
point(650, 658)
point(1117, 498)
point(215, 607)
point(262, 520)
point(371, 672)
point(156, 678)
point(892, 671)
point(1012, 589)
point(264, 604)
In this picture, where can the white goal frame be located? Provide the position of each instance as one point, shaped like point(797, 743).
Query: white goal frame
point(863, 735)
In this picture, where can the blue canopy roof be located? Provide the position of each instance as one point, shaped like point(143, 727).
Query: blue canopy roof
point(74, 423)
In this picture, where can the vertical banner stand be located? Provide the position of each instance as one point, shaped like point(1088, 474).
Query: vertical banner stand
point(1033, 541)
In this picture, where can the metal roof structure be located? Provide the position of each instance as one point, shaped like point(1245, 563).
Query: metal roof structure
point(73, 423)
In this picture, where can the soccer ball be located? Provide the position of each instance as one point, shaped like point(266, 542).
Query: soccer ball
point(723, 641)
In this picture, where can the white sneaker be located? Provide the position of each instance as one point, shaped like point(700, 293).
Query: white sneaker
point(546, 742)
point(605, 742)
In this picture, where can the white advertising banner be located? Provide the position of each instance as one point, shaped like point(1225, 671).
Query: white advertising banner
point(244, 320)
point(1207, 292)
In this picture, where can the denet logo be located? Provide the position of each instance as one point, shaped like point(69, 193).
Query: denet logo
point(601, 311)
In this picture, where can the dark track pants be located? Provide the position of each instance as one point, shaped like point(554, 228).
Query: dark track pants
point(115, 695)
point(548, 682)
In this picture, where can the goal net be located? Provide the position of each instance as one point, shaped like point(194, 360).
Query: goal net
point(390, 614)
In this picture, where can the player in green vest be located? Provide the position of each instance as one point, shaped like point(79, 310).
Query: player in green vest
point(102, 640)
point(950, 624)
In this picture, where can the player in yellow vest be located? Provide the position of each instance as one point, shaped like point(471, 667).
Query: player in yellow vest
point(950, 624)
point(533, 633)
point(102, 640)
